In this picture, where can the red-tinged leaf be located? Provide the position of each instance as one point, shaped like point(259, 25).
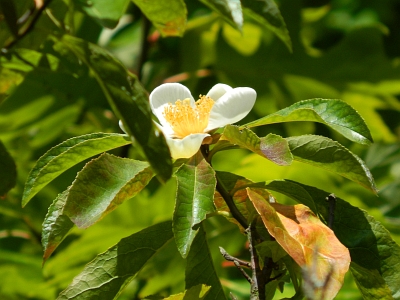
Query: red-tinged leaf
point(273, 147)
point(240, 198)
point(67, 154)
point(102, 185)
point(55, 226)
point(194, 200)
point(308, 241)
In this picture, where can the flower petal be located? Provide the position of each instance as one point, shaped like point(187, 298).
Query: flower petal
point(218, 90)
point(186, 147)
point(167, 93)
point(233, 106)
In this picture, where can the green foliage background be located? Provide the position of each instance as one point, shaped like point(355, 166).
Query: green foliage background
point(338, 49)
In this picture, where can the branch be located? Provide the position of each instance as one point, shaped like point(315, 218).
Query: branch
point(28, 28)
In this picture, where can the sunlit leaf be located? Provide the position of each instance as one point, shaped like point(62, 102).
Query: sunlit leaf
point(169, 17)
point(372, 249)
point(230, 10)
point(126, 97)
point(67, 154)
point(110, 271)
point(273, 147)
point(267, 13)
point(8, 171)
point(197, 292)
point(55, 226)
point(102, 185)
point(194, 200)
point(327, 154)
point(200, 268)
point(107, 13)
point(334, 113)
point(308, 241)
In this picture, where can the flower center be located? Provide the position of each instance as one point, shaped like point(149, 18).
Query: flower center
point(186, 119)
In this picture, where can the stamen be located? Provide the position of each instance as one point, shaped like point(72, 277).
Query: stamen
point(186, 119)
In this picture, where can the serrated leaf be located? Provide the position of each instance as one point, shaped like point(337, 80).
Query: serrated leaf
point(55, 226)
point(110, 271)
point(370, 283)
point(197, 292)
point(273, 147)
point(308, 241)
point(373, 251)
point(200, 268)
point(230, 10)
point(194, 200)
point(106, 13)
point(267, 13)
point(67, 154)
point(126, 97)
point(169, 17)
point(327, 154)
point(8, 171)
point(334, 113)
point(102, 185)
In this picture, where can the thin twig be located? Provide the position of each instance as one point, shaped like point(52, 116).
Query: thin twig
point(254, 293)
point(231, 258)
point(28, 28)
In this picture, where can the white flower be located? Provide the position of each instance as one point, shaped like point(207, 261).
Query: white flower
point(185, 123)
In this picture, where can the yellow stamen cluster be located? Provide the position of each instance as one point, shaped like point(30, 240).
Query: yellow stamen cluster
point(186, 119)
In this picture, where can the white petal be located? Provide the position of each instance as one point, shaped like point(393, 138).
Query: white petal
point(121, 125)
point(186, 147)
point(218, 90)
point(231, 107)
point(167, 93)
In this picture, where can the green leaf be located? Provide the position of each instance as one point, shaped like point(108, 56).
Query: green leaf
point(200, 268)
point(336, 114)
point(330, 155)
point(169, 17)
point(230, 10)
point(55, 226)
point(8, 171)
point(197, 292)
point(126, 97)
point(273, 147)
point(110, 271)
point(373, 252)
point(194, 200)
point(370, 283)
point(106, 13)
point(102, 185)
point(267, 13)
point(67, 154)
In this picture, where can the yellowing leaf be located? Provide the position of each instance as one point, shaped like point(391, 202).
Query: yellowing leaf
point(308, 241)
